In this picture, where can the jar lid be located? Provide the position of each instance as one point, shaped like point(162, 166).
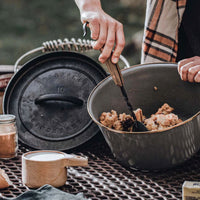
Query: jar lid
point(7, 118)
point(48, 96)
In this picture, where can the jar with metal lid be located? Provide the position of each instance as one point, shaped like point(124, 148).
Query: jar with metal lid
point(8, 136)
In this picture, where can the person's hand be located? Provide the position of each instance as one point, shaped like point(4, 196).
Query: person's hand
point(107, 31)
point(189, 69)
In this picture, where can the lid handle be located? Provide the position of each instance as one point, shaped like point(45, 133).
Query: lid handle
point(81, 45)
point(59, 97)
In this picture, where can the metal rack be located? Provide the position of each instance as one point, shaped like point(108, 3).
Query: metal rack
point(104, 178)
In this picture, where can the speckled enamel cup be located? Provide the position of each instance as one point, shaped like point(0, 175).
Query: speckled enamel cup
point(151, 150)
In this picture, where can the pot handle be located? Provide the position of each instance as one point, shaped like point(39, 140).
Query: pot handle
point(80, 45)
point(58, 97)
point(74, 160)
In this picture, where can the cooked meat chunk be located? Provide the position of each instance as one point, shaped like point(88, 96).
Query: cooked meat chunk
point(122, 122)
point(118, 125)
point(108, 118)
point(139, 115)
point(126, 121)
point(151, 124)
point(124, 117)
point(162, 119)
point(165, 109)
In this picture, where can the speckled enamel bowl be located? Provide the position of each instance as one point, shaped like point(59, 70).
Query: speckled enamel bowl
point(153, 149)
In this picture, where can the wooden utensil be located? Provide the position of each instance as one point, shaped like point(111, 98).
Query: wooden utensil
point(48, 167)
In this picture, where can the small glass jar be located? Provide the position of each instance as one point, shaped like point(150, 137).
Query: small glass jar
point(8, 136)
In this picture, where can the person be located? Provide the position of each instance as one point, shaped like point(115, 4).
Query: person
point(171, 34)
point(104, 29)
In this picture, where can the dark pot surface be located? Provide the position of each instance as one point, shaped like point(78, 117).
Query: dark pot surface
point(155, 150)
point(48, 96)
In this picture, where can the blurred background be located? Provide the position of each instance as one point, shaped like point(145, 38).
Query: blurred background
point(26, 24)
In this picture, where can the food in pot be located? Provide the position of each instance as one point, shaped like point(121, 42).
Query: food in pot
point(122, 122)
point(165, 109)
point(162, 119)
point(109, 118)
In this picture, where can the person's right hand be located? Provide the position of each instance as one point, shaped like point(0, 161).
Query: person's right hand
point(189, 69)
point(107, 32)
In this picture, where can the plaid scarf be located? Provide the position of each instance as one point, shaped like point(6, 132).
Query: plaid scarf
point(163, 18)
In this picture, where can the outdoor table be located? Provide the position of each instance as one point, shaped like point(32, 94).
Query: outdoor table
point(104, 178)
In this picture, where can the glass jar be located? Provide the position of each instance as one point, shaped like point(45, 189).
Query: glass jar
point(8, 136)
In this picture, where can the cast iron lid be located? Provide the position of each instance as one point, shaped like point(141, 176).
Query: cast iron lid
point(48, 96)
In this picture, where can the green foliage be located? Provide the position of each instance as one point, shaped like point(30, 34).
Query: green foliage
point(25, 24)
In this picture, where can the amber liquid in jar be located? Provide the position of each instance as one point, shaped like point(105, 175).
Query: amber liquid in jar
point(8, 137)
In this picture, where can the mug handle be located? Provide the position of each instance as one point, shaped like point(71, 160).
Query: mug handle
point(74, 160)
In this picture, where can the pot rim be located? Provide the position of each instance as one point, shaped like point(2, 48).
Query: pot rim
point(24, 156)
point(126, 132)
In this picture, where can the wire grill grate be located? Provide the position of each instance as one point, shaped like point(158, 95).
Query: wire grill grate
point(106, 179)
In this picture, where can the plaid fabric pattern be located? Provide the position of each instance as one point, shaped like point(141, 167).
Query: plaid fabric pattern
point(160, 42)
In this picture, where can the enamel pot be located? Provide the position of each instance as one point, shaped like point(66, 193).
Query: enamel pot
point(150, 150)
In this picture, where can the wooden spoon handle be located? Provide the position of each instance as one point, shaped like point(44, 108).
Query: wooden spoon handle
point(115, 72)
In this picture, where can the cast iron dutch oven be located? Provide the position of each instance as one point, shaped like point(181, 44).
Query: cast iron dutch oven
point(155, 149)
point(48, 95)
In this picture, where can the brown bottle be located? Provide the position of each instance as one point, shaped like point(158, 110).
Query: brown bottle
point(8, 137)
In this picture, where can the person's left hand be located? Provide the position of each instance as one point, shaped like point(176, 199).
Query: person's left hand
point(189, 69)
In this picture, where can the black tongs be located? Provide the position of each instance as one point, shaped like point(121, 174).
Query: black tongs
point(116, 74)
